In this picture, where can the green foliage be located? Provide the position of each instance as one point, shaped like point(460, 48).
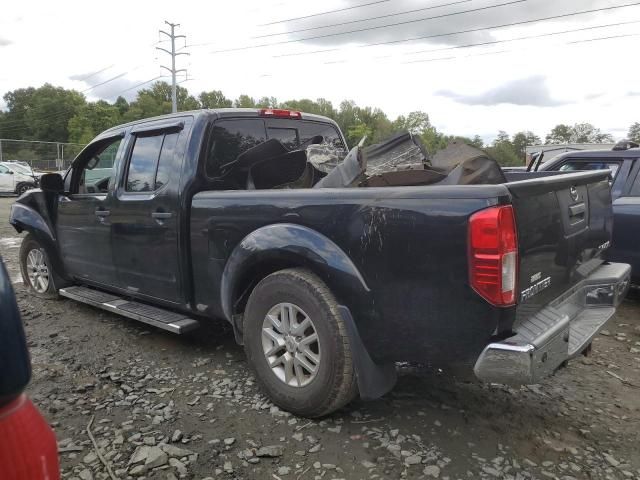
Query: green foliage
point(40, 113)
point(522, 140)
point(55, 114)
point(91, 119)
point(578, 133)
point(634, 132)
point(244, 101)
point(214, 99)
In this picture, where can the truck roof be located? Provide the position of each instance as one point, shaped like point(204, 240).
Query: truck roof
point(218, 113)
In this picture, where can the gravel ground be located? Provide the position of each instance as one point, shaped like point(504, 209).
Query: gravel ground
point(164, 407)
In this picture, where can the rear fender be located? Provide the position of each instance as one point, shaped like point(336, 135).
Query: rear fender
point(295, 246)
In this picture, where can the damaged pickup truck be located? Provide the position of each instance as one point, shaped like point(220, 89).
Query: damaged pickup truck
point(329, 265)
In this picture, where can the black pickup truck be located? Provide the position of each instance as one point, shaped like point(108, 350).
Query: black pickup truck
point(327, 277)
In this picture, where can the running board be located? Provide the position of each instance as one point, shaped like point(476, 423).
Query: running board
point(158, 317)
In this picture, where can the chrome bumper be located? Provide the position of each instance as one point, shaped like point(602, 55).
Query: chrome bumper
point(556, 333)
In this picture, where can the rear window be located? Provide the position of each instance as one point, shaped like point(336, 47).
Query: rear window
point(230, 138)
point(233, 137)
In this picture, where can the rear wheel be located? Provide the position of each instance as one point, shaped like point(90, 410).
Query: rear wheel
point(36, 268)
point(297, 344)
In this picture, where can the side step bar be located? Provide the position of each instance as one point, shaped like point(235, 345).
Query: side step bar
point(158, 317)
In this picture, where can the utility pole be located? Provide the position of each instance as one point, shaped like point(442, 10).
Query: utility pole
point(172, 36)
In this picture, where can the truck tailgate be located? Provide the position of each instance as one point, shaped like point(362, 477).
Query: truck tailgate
point(566, 292)
point(564, 223)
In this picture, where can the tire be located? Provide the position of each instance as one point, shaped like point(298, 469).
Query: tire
point(37, 274)
point(24, 187)
point(299, 390)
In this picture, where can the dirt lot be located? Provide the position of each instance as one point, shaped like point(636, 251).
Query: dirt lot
point(170, 407)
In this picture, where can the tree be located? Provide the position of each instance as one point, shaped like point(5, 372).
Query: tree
point(559, 134)
point(578, 133)
point(91, 119)
point(40, 113)
point(214, 99)
point(503, 150)
point(156, 100)
point(244, 101)
point(634, 132)
point(522, 140)
point(587, 133)
point(416, 123)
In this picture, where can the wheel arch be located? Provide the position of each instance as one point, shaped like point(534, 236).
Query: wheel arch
point(26, 219)
point(279, 246)
point(20, 184)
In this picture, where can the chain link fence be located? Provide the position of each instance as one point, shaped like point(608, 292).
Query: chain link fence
point(41, 156)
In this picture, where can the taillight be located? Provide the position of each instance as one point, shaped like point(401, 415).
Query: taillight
point(279, 113)
point(493, 255)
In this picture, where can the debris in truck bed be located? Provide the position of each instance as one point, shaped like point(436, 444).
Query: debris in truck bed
point(401, 152)
point(401, 160)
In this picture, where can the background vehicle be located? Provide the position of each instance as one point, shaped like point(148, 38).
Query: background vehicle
point(202, 214)
point(624, 165)
point(28, 449)
point(15, 178)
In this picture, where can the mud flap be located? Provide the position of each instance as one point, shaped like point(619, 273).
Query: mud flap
point(373, 380)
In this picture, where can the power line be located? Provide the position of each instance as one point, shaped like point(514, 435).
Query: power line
point(612, 37)
point(526, 37)
point(460, 32)
point(350, 22)
point(282, 42)
point(324, 13)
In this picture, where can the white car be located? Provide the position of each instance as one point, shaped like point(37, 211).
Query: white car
point(14, 178)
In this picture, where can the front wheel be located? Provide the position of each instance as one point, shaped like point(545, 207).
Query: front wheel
point(36, 268)
point(24, 187)
point(297, 344)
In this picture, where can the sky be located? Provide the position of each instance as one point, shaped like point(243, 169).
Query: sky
point(512, 69)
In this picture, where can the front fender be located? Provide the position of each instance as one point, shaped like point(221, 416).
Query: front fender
point(287, 243)
point(26, 218)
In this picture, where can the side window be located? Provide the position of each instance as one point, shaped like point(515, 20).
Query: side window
point(573, 165)
point(143, 163)
point(167, 157)
point(151, 163)
point(98, 171)
point(3, 169)
point(229, 139)
point(635, 188)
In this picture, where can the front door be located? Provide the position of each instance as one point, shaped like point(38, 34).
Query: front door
point(6, 180)
point(83, 224)
point(145, 214)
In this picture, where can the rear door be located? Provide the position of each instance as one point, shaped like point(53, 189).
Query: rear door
point(146, 214)
point(564, 225)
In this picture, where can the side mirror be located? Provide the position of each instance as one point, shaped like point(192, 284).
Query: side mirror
point(52, 182)
point(9, 172)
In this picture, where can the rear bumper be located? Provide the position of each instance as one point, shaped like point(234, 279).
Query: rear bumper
point(556, 333)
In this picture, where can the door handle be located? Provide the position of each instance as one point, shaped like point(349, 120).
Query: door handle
point(161, 215)
point(102, 213)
